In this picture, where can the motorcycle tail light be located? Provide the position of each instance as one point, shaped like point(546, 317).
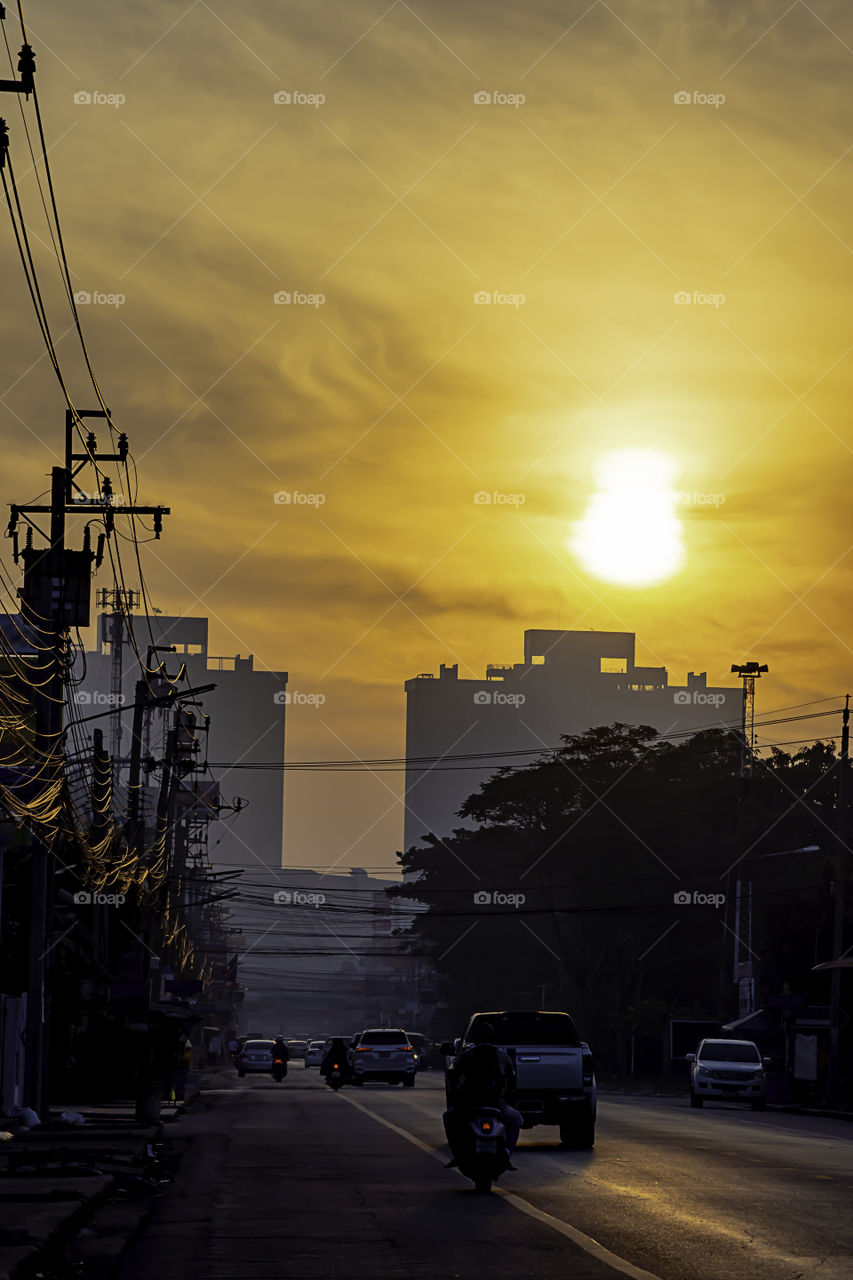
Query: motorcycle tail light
point(335, 1066)
point(486, 1126)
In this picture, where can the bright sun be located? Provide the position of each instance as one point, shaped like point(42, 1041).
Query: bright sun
point(631, 534)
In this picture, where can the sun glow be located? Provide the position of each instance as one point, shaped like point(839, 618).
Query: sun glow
point(631, 533)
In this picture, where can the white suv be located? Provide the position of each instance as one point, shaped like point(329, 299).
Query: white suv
point(382, 1053)
point(728, 1069)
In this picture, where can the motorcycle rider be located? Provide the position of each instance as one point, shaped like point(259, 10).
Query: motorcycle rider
point(280, 1052)
point(335, 1054)
point(482, 1076)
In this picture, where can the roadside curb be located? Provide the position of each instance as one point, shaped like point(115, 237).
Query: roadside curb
point(823, 1113)
point(21, 1260)
point(787, 1108)
point(55, 1206)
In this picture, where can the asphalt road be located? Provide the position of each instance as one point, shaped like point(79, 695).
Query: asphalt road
point(293, 1180)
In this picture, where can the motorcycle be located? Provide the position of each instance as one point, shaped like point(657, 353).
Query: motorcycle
point(335, 1076)
point(279, 1069)
point(482, 1153)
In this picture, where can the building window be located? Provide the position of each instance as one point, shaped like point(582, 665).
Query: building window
point(614, 666)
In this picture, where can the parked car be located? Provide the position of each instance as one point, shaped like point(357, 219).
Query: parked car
point(555, 1074)
point(728, 1069)
point(315, 1052)
point(255, 1055)
point(383, 1053)
point(297, 1048)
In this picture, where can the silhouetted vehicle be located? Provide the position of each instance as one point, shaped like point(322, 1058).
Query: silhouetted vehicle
point(728, 1070)
point(382, 1053)
point(297, 1048)
point(554, 1069)
point(315, 1052)
point(480, 1152)
point(255, 1055)
point(334, 1066)
point(421, 1046)
point(280, 1056)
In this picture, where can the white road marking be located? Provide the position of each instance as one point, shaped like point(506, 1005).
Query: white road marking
point(583, 1241)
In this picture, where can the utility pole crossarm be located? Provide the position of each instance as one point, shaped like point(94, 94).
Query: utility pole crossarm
point(94, 504)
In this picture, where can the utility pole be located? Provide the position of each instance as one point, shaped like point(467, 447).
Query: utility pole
point(119, 602)
point(741, 917)
point(48, 760)
point(57, 592)
point(101, 824)
point(839, 905)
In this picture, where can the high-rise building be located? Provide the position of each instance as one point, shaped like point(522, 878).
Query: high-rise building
point(569, 681)
point(247, 721)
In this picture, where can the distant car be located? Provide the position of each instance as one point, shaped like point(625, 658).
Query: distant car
point(297, 1048)
point(728, 1069)
point(255, 1055)
point(315, 1053)
point(422, 1047)
point(383, 1053)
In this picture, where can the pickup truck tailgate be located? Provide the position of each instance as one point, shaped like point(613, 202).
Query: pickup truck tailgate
point(547, 1067)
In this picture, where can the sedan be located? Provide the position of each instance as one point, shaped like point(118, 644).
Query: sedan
point(256, 1055)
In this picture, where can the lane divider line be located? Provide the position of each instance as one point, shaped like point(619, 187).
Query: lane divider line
point(583, 1241)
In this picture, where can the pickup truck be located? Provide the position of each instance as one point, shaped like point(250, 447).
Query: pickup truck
point(555, 1074)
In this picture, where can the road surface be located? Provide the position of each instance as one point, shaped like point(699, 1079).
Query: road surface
point(293, 1180)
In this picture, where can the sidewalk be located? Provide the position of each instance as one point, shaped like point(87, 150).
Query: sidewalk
point(54, 1177)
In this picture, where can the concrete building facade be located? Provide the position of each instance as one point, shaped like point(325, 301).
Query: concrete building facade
point(247, 724)
point(569, 681)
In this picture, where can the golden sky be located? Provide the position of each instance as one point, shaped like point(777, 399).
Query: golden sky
point(398, 198)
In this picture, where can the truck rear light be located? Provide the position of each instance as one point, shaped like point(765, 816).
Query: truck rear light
point(588, 1067)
